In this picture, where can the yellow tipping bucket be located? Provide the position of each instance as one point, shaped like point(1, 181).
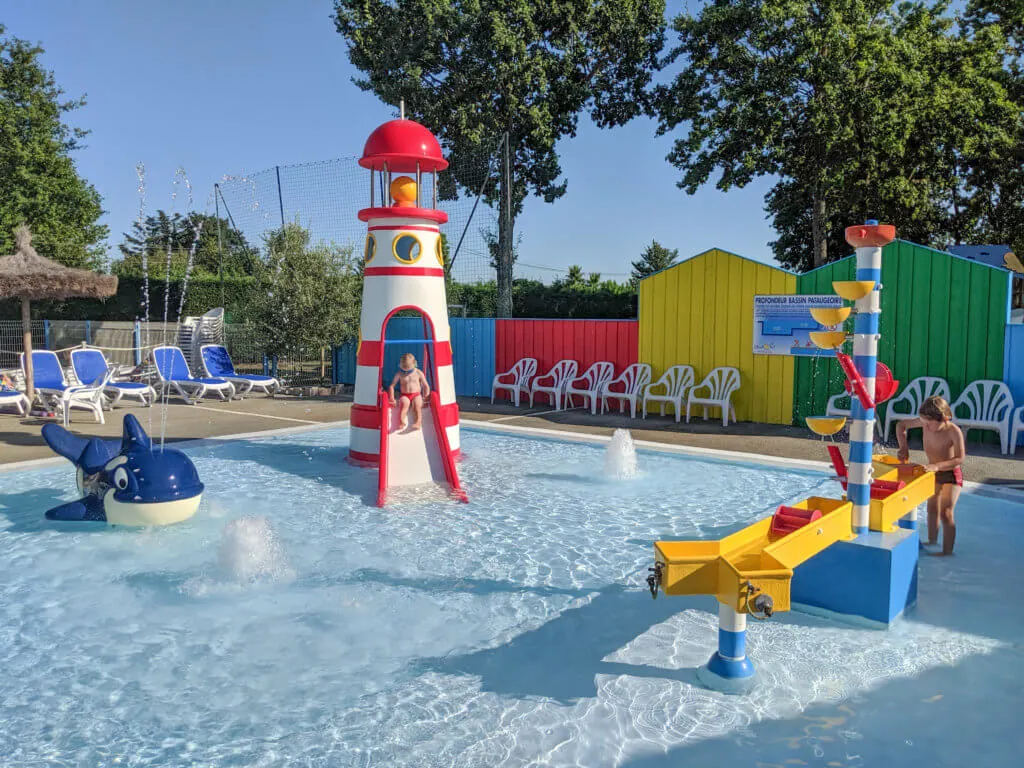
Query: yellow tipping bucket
point(825, 425)
point(828, 339)
point(851, 290)
point(830, 316)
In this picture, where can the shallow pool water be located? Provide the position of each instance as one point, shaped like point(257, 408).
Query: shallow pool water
point(292, 623)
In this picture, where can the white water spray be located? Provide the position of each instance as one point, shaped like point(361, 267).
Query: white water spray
point(620, 456)
point(250, 551)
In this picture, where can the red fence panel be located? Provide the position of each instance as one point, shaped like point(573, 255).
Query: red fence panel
point(585, 341)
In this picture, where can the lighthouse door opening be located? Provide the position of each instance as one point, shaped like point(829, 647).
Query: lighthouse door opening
point(414, 452)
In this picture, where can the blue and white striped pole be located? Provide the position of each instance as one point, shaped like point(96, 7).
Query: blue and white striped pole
point(729, 670)
point(868, 240)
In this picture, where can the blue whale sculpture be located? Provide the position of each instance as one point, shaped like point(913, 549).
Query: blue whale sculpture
point(126, 481)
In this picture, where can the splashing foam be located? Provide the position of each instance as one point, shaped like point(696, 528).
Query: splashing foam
point(620, 458)
point(250, 551)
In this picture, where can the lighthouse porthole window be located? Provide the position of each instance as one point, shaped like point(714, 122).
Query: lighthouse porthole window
point(439, 251)
point(371, 248)
point(407, 248)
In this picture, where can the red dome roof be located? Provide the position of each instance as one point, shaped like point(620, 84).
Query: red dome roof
point(402, 144)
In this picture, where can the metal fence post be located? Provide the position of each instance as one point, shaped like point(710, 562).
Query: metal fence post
point(273, 367)
point(266, 366)
point(137, 342)
point(46, 333)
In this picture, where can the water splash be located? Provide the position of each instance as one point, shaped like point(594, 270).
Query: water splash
point(250, 552)
point(140, 172)
point(620, 457)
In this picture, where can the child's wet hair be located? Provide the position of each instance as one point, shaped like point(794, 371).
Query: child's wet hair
point(408, 358)
point(935, 408)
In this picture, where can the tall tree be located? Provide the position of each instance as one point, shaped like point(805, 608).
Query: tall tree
point(160, 232)
point(654, 258)
point(476, 71)
point(39, 184)
point(307, 296)
point(849, 102)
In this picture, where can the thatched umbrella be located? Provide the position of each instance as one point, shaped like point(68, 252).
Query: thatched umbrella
point(26, 275)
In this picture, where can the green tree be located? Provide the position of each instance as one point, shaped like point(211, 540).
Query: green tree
point(860, 108)
point(161, 230)
point(476, 70)
point(573, 279)
point(39, 184)
point(306, 297)
point(655, 258)
point(997, 206)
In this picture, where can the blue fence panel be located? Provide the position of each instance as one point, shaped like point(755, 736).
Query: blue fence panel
point(473, 351)
point(473, 355)
point(1013, 362)
point(345, 364)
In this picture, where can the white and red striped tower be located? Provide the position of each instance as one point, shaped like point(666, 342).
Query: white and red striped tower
point(404, 270)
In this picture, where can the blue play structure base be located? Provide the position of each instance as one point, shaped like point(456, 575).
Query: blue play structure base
point(727, 675)
point(873, 577)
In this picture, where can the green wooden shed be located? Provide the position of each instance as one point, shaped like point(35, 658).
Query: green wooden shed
point(942, 315)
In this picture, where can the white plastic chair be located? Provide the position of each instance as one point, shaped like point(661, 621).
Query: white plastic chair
point(634, 381)
point(677, 381)
point(989, 405)
point(561, 372)
point(915, 393)
point(592, 380)
point(1018, 427)
point(834, 408)
point(720, 383)
point(17, 399)
point(521, 374)
point(52, 385)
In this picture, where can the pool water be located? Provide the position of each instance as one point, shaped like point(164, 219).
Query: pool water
point(292, 623)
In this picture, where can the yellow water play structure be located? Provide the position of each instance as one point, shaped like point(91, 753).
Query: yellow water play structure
point(750, 570)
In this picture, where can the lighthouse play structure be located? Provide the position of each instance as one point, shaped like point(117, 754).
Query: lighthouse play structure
point(404, 272)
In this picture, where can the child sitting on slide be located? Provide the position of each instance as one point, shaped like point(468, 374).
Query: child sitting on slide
point(414, 390)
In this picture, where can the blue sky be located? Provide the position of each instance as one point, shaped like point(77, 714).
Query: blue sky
point(236, 86)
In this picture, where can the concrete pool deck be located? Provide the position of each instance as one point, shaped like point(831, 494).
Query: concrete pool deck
point(20, 439)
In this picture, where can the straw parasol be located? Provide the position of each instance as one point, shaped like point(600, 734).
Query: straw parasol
point(26, 275)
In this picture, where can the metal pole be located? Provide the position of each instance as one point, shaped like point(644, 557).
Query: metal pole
point(729, 669)
point(483, 188)
point(280, 197)
point(220, 245)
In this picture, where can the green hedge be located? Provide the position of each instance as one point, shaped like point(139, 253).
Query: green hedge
point(529, 299)
point(202, 295)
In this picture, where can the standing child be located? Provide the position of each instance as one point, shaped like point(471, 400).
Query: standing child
point(414, 389)
point(944, 447)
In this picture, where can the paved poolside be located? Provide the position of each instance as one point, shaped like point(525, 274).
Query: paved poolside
point(20, 439)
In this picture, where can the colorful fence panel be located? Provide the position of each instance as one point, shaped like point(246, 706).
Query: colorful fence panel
point(1013, 364)
point(701, 313)
point(472, 352)
point(585, 341)
point(941, 316)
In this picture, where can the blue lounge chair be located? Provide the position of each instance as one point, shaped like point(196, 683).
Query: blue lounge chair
point(15, 398)
point(218, 363)
point(90, 366)
point(49, 381)
point(174, 374)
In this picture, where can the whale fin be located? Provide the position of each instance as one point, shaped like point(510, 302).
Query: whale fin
point(87, 508)
point(88, 453)
point(133, 435)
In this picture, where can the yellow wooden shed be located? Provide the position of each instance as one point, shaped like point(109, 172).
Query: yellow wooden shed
point(700, 312)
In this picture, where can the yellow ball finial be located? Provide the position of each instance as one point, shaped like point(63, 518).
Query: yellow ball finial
point(403, 190)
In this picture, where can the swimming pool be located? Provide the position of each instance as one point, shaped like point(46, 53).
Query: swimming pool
point(292, 623)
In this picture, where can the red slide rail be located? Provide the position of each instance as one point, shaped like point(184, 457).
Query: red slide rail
point(451, 472)
point(385, 427)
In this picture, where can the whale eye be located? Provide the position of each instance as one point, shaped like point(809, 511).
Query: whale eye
point(121, 478)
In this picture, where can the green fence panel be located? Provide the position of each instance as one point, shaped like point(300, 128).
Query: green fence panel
point(942, 315)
